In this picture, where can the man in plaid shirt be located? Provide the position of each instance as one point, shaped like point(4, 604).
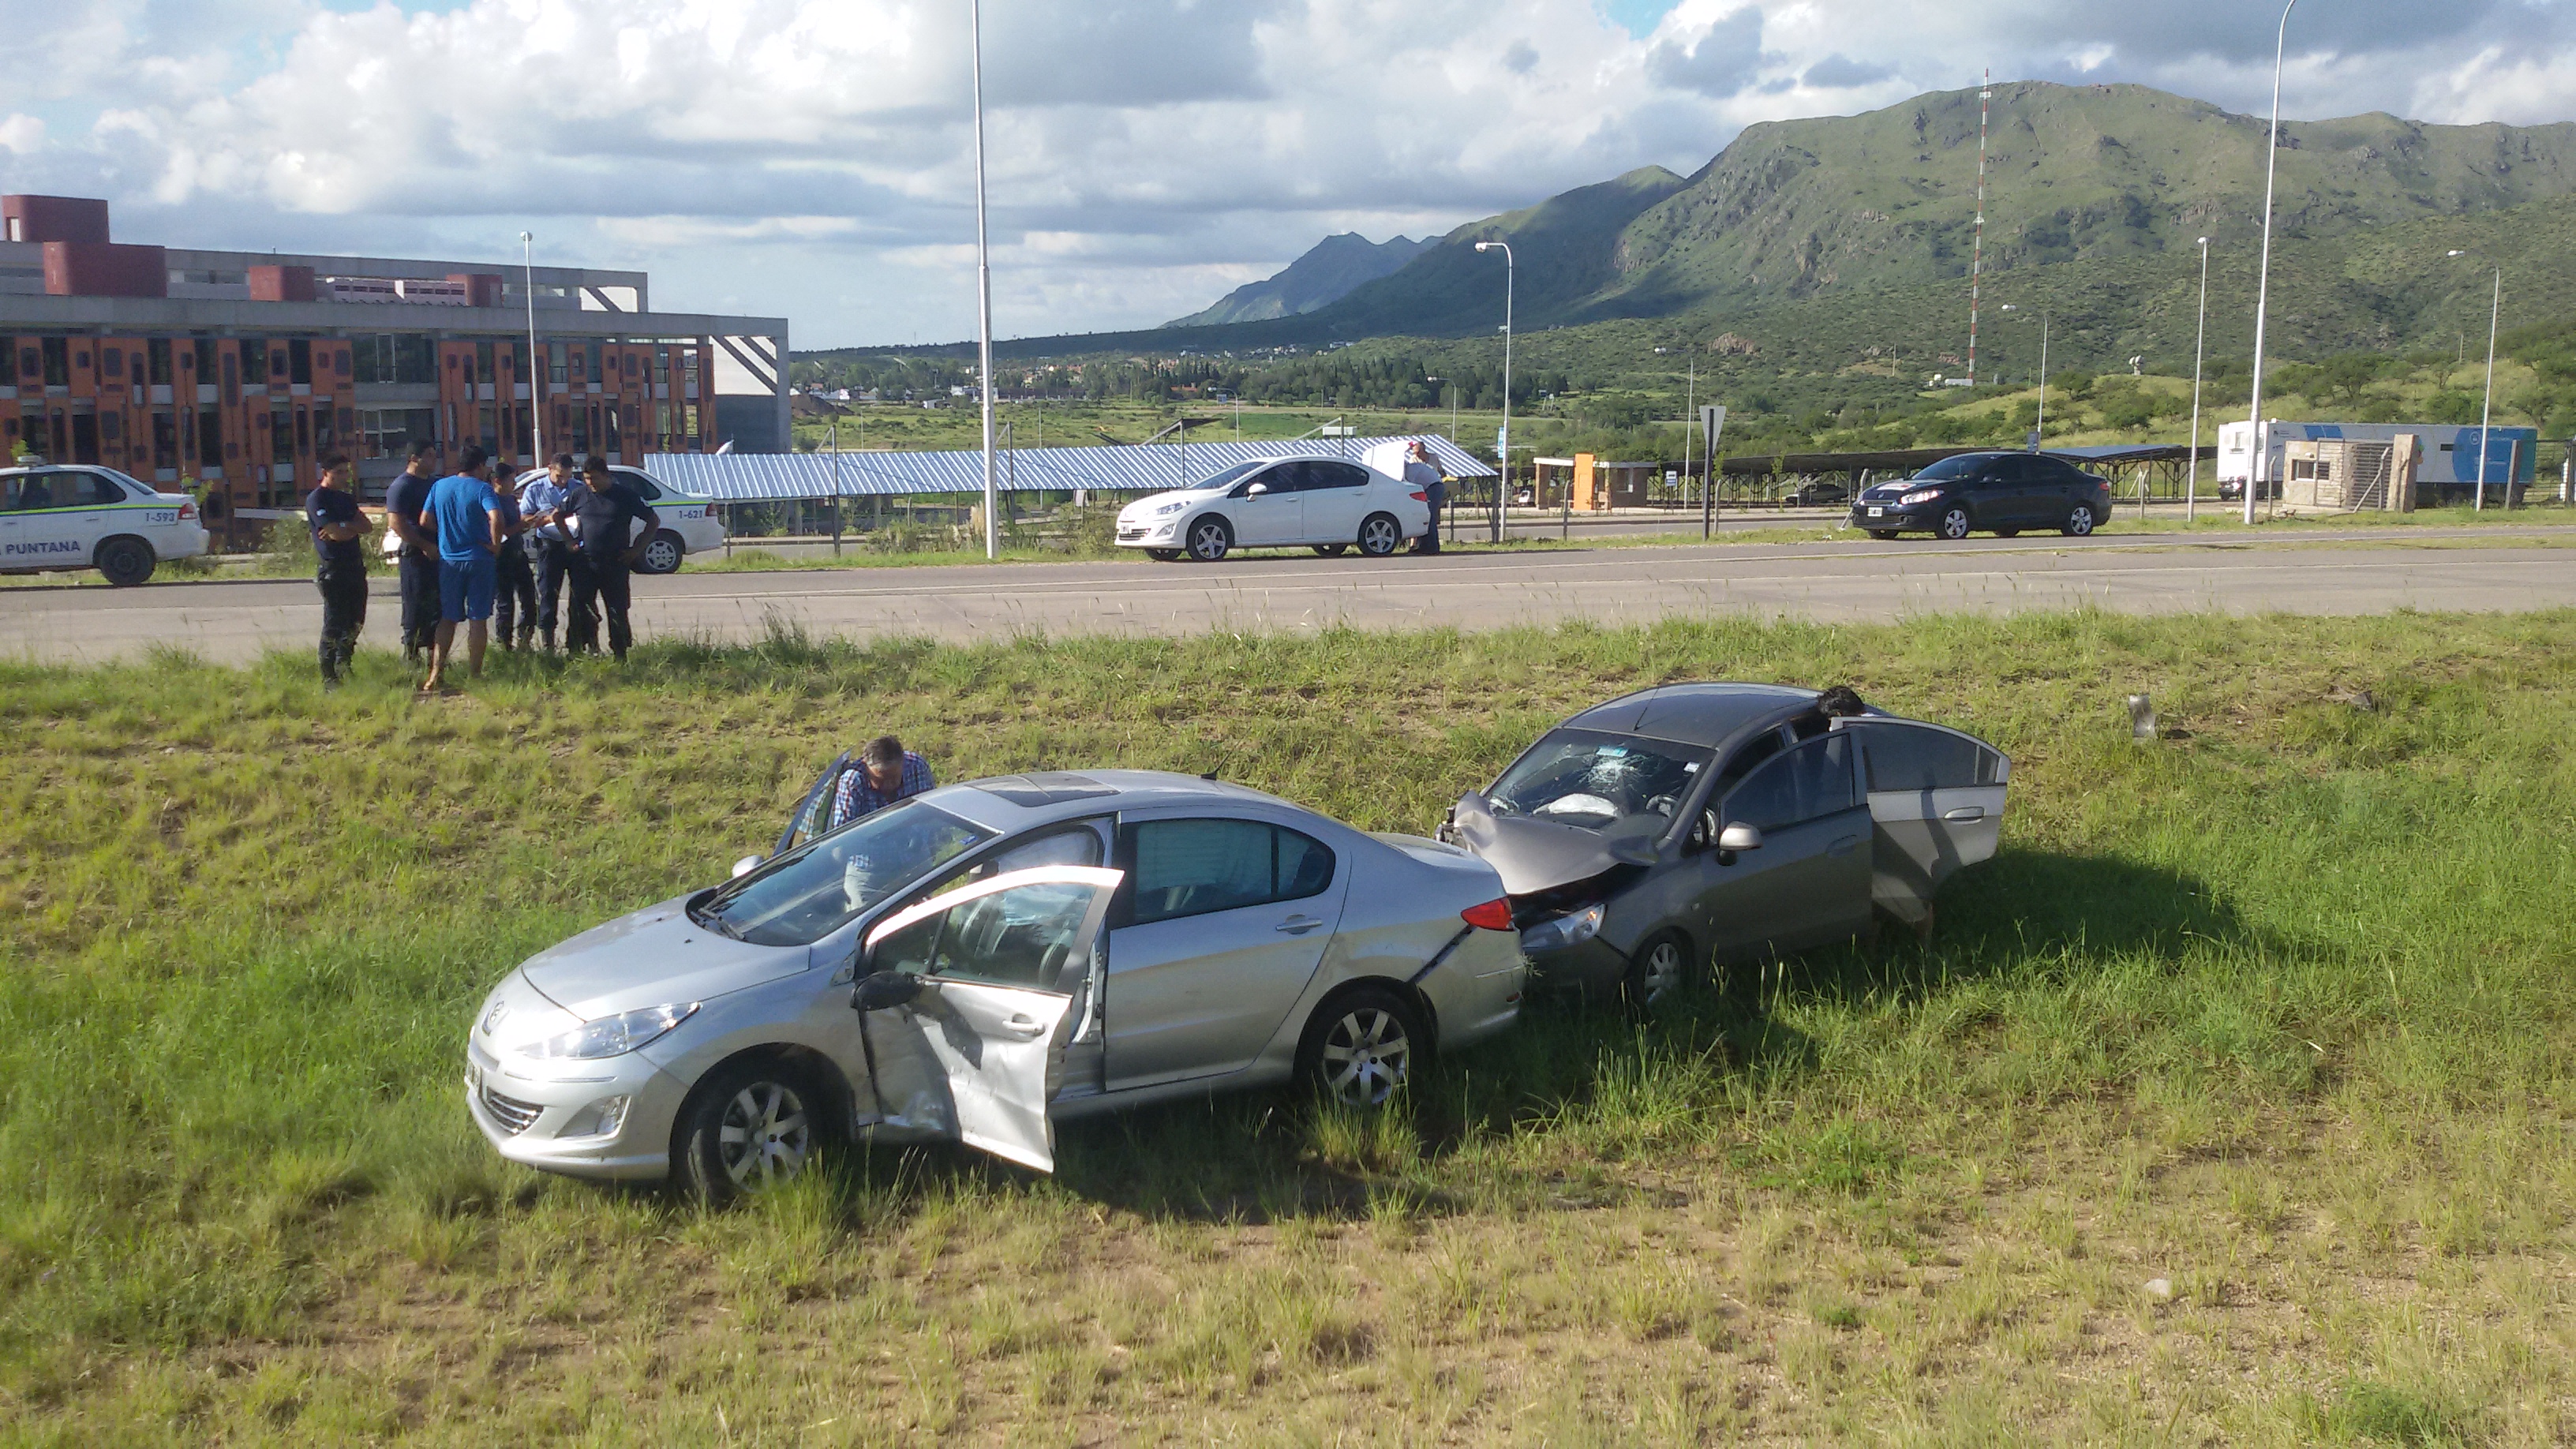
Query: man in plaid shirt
point(887, 772)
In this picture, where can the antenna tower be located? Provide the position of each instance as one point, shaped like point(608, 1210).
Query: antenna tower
point(1977, 250)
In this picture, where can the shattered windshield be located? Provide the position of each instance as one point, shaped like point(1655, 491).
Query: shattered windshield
point(810, 892)
point(1595, 780)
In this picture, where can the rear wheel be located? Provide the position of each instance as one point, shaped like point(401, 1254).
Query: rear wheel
point(662, 554)
point(126, 561)
point(1379, 534)
point(1955, 523)
point(1209, 539)
point(1331, 550)
point(1882, 533)
point(2079, 521)
point(2007, 533)
point(1361, 1047)
point(1657, 973)
point(1162, 555)
point(748, 1126)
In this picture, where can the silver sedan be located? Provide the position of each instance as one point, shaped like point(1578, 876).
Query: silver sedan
point(981, 961)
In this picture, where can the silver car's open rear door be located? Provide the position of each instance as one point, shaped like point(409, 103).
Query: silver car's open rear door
point(992, 1011)
point(1936, 801)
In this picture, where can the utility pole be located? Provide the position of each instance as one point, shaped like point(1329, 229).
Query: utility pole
point(536, 367)
point(2199, 337)
point(1503, 440)
point(1977, 249)
point(984, 292)
point(2259, 466)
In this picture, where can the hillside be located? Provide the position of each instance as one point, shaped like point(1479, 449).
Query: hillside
point(1325, 274)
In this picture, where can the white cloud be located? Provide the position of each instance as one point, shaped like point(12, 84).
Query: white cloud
point(809, 157)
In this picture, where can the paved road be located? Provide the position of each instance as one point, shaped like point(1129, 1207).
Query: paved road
point(1856, 581)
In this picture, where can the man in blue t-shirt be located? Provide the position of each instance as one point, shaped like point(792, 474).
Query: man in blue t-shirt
point(465, 521)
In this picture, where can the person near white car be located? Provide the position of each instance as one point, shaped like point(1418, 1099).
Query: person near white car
point(603, 511)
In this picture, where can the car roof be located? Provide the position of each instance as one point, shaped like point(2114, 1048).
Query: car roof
point(1011, 803)
point(1706, 715)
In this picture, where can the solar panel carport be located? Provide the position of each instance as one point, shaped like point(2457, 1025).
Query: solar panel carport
point(1136, 468)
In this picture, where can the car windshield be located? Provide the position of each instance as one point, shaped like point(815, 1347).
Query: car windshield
point(1595, 780)
point(1963, 466)
point(1229, 477)
point(809, 893)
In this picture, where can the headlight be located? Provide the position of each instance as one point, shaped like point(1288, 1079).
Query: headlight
point(611, 1036)
point(1923, 495)
point(1171, 508)
point(1564, 931)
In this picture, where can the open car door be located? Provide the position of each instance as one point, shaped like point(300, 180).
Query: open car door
point(989, 983)
point(1936, 803)
point(813, 816)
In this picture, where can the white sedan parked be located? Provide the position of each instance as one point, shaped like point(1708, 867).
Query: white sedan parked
point(88, 517)
point(1323, 503)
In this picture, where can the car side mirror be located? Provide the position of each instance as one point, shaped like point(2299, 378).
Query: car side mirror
point(1256, 490)
point(747, 864)
point(1739, 836)
point(884, 989)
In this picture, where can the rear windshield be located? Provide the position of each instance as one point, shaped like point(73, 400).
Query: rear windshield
point(1596, 780)
point(816, 889)
point(1966, 465)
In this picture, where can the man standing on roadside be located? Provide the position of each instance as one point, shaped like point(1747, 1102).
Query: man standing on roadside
point(1424, 477)
point(541, 508)
point(603, 515)
point(514, 609)
point(417, 569)
point(466, 520)
point(340, 567)
point(887, 772)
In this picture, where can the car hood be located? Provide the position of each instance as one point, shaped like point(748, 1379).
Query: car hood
point(653, 956)
point(1535, 855)
point(1143, 508)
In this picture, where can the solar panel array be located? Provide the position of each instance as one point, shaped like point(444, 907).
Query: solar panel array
point(1134, 468)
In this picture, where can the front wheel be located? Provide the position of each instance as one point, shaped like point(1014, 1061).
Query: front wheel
point(1955, 524)
point(662, 554)
point(1661, 968)
point(126, 561)
point(2007, 533)
point(1210, 538)
point(747, 1127)
point(1379, 534)
point(1361, 1047)
point(2079, 521)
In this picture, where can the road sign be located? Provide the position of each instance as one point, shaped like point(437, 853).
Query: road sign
point(1712, 420)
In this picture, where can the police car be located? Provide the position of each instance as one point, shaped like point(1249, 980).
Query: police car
point(88, 517)
point(689, 524)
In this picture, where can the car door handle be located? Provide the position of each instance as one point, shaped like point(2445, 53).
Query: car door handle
point(1298, 925)
point(1965, 812)
point(1023, 1027)
point(1843, 846)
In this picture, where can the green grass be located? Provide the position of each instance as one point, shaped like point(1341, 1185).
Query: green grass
point(2274, 1011)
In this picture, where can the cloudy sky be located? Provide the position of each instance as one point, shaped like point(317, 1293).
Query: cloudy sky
point(811, 158)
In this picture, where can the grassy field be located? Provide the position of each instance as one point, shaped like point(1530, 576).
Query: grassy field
point(2231, 1103)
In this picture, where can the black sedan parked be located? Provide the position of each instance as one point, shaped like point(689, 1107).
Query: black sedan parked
point(1999, 493)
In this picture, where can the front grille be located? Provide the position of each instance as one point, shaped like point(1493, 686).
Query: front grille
point(510, 1112)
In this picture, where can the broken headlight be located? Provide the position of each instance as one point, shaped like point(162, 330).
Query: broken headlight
point(1559, 932)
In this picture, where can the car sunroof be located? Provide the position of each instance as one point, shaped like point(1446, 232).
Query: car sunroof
point(1045, 787)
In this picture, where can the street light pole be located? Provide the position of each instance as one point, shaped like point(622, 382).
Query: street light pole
point(984, 292)
point(2041, 435)
point(1503, 444)
point(535, 368)
point(2486, 413)
point(2260, 463)
point(2199, 337)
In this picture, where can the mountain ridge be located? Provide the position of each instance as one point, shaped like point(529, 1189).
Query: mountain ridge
point(1324, 274)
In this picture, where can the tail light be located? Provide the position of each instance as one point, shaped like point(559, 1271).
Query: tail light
point(1493, 915)
point(1419, 496)
point(187, 510)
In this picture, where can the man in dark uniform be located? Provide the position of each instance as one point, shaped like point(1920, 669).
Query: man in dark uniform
point(549, 546)
point(341, 568)
point(603, 515)
point(404, 500)
point(514, 611)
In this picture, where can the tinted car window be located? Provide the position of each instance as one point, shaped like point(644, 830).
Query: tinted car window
point(644, 487)
point(1281, 478)
point(35, 490)
point(810, 892)
point(1805, 783)
point(95, 489)
point(1017, 937)
point(1917, 757)
point(1192, 867)
point(1966, 465)
point(1336, 475)
point(1595, 779)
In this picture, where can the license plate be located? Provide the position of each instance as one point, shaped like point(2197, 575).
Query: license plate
point(1877, 512)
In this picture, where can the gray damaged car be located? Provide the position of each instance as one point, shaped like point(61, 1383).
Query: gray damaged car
point(1692, 826)
point(981, 961)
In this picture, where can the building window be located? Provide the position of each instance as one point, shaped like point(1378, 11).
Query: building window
point(482, 362)
point(299, 362)
point(165, 440)
point(276, 363)
point(58, 363)
point(340, 361)
point(158, 350)
point(210, 436)
point(558, 357)
point(303, 430)
point(281, 434)
point(595, 375)
point(254, 356)
point(112, 362)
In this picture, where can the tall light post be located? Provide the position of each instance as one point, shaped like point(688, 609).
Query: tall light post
point(2260, 464)
point(984, 293)
point(536, 366)
point(2040, 434)
point(2199, 337)
point(1503, 442)
point(2486, 414)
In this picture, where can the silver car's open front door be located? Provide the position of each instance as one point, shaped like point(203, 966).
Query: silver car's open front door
point(812, 815)
point(1936, 803)
point(988, 982)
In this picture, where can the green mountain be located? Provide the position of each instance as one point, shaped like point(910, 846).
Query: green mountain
point(1325, 274)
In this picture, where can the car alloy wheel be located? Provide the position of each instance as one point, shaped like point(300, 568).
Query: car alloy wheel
point(2080, 521)
point(1361, 1048)
point(662, 553)
point(1209, 540)
point(1379, 534)
point(126, 561)
point(1955, 523)
point(1661, 970)
point(749, 1126)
